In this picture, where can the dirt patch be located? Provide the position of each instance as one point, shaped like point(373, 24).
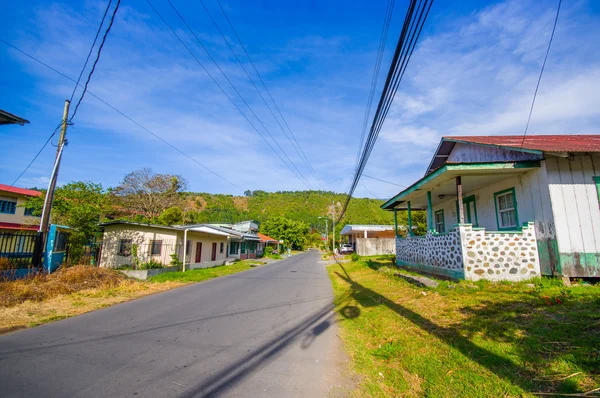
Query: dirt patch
point(240, 203)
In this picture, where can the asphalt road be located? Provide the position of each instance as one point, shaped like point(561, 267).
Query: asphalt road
point(266, 332)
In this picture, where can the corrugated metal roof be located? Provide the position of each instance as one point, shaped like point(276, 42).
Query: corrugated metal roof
point(350, 227)
point(9, 118)
point(542, 143)
point(265, 238)
point(20, 191)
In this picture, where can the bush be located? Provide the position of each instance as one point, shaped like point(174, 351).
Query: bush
point(175, 260)
point(355, 257)
point(268, 250)
point(152, 264)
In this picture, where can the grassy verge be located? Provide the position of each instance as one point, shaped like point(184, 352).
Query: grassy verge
point(466, 339)
point(202, 274)
point(76, 290)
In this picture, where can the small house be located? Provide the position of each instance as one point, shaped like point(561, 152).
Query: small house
point(130, 244)
point(506, 208)
point(370, 240)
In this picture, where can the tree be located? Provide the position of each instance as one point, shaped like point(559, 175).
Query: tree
point(78, 205)
point(292, 232)
point(148, 193)
point(171, 216)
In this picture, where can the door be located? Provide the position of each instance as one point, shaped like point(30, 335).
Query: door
point(198, 252)
point(213, 255)
point(470, 211)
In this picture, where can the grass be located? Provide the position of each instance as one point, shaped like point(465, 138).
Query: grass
point(466, 339)
point(75, 290)
point(202, 274)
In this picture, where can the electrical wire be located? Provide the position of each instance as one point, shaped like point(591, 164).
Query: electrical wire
point(221, 88)
point(87, 59)
point(387, 182)
point(270, 96)
point(110, 24)
point(37, 155)
point(537, 86)
point(376, 69)
point(125, 116)
point(305, 161)
point(409, 35)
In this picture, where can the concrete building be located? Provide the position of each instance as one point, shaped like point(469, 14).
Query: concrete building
point(506, 208)
point(370, 240)
point(14, 216)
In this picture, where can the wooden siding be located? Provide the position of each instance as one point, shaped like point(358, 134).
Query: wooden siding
point(576, 213)
point(467, 153)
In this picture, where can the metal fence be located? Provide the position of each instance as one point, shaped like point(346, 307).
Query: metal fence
point(16, 249)
point(86, 255)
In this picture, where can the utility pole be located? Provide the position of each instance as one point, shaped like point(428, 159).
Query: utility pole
point(326, 231)
point(45, 221)
point(333, 232)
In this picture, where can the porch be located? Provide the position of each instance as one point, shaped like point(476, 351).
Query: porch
point(475, 229)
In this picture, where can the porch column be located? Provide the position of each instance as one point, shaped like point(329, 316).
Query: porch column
point(429, 212)
point(395, 222)
point(366, 234)
point(459, 195)
point(410, 231)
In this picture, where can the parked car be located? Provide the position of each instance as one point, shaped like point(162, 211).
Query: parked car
point(346, 249)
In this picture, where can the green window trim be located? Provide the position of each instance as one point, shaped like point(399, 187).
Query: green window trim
point(467, 200)
point(516, 209)
point(443, 229)
point(597, 181)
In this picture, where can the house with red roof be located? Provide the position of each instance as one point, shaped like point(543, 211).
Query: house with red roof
point(14, 216)
point(264, 242)
point(506, 208)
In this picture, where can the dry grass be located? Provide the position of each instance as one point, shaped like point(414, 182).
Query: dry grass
point(65, 293)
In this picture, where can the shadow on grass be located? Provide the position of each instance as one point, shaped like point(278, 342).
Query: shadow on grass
point(538, 333)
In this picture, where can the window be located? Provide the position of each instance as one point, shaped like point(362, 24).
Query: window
point(234, 247)
point(124, 247)
point(155, 247)
point(188, 247)
point(29, 211)
point(8, 207)
point(222, 247)
point(60, 242)
point(440, 226)
point(506, 209)
point(243, 251)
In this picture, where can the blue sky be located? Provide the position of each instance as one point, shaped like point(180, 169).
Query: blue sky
point(473, 73)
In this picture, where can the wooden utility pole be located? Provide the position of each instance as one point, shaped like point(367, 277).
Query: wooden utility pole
point(333, 232)
point(45, 221)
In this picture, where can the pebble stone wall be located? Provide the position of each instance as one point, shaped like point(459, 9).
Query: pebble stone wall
point(500, 255)
point(436, 250)
point(475, 252)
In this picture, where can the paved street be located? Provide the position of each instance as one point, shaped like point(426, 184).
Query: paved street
point(265, 332)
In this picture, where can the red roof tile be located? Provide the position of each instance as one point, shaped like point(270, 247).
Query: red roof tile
point(20, 191)
point(543, 143)
point(265, 238)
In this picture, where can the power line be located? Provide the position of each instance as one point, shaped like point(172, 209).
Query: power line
point(110, 24)
point(87, 59)
point(541, 73)
point(220, 87)
point(125, 116)
point(376, 69)
point(409, 35)
point(387, 182)
point(269, 94)
point(37, 155)
point(305, 161)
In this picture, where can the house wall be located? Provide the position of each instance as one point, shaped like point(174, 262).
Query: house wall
point(140, 236)
point(576, 214)
point(375, 246)
point(533, 204)
point(207, 241)
point(470, 153)
point(19, 217)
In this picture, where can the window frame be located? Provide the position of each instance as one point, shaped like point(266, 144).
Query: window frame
point(122, 243)
point(597, 181)
point(436, 223)
point(221, 247)
point(28, 211)
point(8, 206)
point(154, 242)
point(515, 208)
point(60, 241)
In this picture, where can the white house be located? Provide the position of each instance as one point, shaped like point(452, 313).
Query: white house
point(125, 243)
point(370, 240)
point(506, 207)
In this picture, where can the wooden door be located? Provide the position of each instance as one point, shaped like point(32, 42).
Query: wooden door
point(198, 252)
point(213, 256)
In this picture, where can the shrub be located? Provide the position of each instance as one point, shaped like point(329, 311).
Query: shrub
point(175, 260)
point(355, 257)
point(268, 250)
point(152, 264)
